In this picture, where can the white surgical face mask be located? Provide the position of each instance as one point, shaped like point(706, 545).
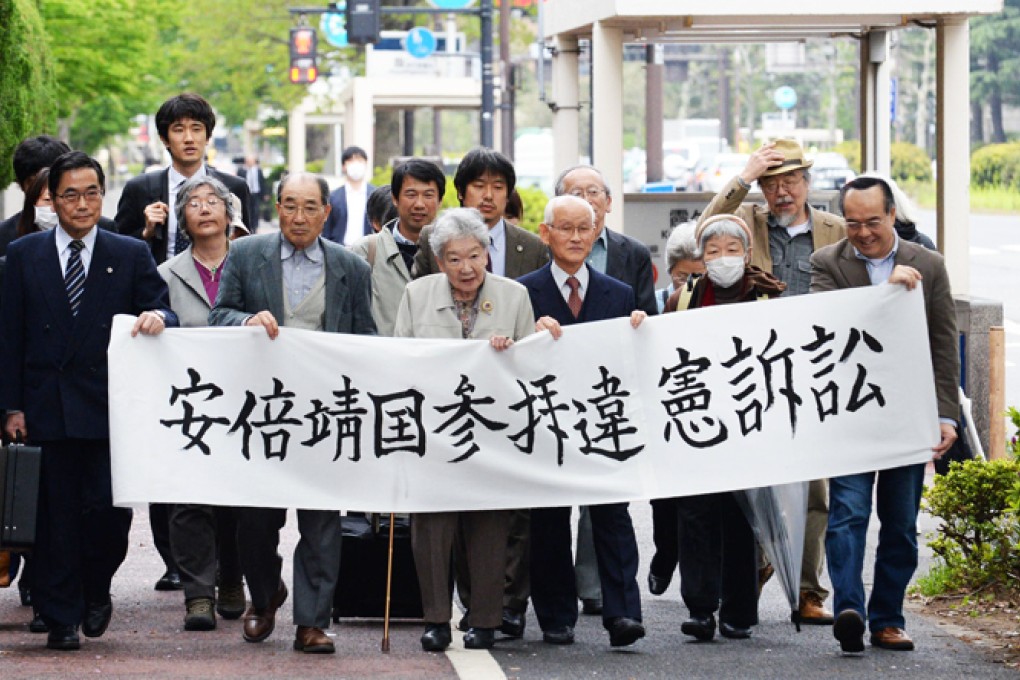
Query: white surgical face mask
point(45, 217)
point(725, 271)
point(356, 171)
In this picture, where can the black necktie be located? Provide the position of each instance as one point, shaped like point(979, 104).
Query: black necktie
point(74, 276)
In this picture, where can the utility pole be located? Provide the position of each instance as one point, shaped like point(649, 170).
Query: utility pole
point(653, 113)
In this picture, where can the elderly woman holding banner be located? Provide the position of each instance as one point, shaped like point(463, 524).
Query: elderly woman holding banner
point(203, 538)
point(717, 544)
point(462, 302)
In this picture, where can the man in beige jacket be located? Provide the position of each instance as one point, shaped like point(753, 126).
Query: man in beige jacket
point(786, 231)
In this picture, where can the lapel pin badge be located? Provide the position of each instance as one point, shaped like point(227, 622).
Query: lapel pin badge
point(520, 248)
point(487, 306)
point(109, 270)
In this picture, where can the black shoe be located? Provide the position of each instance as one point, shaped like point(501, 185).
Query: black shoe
point(96, 619)
point(462, 625)
point(479, 638)
point(171, 580)
point(624, 631)
point(436, 637)
point(657, 585)
point(63, 638)
point(513, 623)
point(38, 625)
point(591, 607)
point(701, 628)
point(734, 632)
point(849, 630)
point(558, 636)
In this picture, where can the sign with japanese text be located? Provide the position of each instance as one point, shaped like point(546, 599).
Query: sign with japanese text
point(721, 398)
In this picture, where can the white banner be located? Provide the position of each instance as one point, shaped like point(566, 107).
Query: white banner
point(720, 398)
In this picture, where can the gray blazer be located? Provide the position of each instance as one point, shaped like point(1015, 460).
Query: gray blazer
point(187, 294)
point(525, 253)
point(389, 276)
point(427, 310)
point(253, 281)
point(836, 267)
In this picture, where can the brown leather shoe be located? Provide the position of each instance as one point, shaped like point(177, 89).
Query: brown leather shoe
point(892, 638)
point(764, 574)
point(811, 610)
point(313, 641)
point(259, 623)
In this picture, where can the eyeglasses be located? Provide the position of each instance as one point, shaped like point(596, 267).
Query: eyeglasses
point(582, 231)
point(590, 192)
point(770, 186)
point(196, 203)
point(873, 223)
point(73, 196)
point(291, 209)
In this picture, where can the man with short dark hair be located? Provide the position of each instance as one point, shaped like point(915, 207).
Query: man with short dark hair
point(300, 280)
point(873, 254)
point(417, 189)
point(62, 288)
point(348, 218)
point(185, 125)
point(30, 156)
point(484, 181)
point(785, 234)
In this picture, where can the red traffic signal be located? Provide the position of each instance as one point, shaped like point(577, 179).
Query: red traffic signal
point(304, 44)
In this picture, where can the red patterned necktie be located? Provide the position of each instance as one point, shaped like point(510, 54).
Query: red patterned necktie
point(574, 301)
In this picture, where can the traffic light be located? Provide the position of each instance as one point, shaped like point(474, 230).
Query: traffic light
point(303, 45)
point(362, 21)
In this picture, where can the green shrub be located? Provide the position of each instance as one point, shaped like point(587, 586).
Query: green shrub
point(1013, 443)
point(996, 166)
point(909, 162)
point(978, 539)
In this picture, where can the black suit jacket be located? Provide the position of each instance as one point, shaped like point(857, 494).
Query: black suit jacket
point(335, 228)
point(55, 363)
point(151, 187)
point(630, 261)
point(263, 189)
point(606, 297)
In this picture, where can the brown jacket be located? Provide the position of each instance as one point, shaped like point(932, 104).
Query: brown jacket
point(826, 228)
point(836, 267)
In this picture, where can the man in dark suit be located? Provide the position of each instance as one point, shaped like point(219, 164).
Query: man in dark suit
point(258, 190)
point(185, 124)
point(295, 279)
point(348, 218)
point(30, 156)
point(61, 291)
point(625, 259)
point(484, 181)
point(567, 291)
point(873, 254)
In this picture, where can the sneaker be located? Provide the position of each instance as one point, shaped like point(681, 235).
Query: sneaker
point(230, 602)
point(200, 614)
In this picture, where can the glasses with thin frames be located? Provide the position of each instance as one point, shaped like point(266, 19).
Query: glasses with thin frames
point(72, 196)
point(291, 209)
point(582, 231)
point(212, 203)
point(590, 192)
point(771, 186)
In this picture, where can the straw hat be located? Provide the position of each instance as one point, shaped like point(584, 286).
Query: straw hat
point(793, 156)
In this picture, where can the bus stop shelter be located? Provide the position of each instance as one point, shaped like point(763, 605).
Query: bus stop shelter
point(609, 24)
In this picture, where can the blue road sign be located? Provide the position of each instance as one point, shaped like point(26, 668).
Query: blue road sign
point(785, 97)
point(420, 42)
point(451, 4)
point(334, 26)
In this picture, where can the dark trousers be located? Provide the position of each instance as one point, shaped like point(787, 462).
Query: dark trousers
point(553, 585)
point(159, 522)
point(717, 559)
point(666, 535)
point(204, 542)
point(517, 589)
point(81, 539)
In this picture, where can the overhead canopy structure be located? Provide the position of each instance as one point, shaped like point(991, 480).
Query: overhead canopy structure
point(609, 24)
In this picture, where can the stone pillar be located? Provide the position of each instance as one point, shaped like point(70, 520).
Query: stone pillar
point(875, 114)
point(974, 316)
point(566, 145)
point(296, 139)
point(607, 108)
point(952, 121)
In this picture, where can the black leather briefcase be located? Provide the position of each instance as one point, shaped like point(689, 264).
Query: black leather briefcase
point(20, 466)
point(361, 588)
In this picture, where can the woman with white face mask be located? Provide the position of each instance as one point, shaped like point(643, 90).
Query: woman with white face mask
point(37, 213)
point(718, 563)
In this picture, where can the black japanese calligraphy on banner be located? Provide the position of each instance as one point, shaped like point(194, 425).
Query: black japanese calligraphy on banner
point(713, 399)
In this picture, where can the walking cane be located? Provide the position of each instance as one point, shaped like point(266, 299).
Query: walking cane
point(389, 584)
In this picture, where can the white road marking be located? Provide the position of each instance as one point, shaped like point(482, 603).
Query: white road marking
point(1013, 248)
point(977, 250)
point(471, 664)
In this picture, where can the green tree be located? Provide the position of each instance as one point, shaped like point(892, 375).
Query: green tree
point(994, 68)
point(26, 79)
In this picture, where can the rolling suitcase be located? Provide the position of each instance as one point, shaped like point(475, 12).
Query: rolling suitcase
point(361, 589)
point(20, 466)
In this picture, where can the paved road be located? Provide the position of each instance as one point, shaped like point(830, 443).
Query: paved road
point(145, 639)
